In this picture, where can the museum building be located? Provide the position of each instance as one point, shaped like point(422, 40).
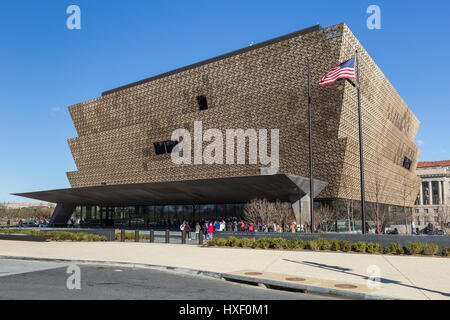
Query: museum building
point(123, 151)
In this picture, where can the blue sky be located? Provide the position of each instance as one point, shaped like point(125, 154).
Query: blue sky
point(44, 67)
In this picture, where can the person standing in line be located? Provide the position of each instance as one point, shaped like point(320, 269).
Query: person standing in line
point(187, 228)
point(413, 227)
point(210, 230)
point(217, 225)
point(197, 230)
point(183, 226)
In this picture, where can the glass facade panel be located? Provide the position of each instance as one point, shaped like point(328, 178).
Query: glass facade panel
point(151, 216)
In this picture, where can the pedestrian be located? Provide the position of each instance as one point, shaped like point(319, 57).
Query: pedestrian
point(187, 228)
point(378, 229)
point(430, 229)
point(250, 227)
point(235, 226)
point(182, 226)
point(210, 230)
point(413, 227)
point(197, 230)
point(217, 225)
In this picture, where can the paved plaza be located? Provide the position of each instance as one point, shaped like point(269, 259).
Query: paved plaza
point(401, 277)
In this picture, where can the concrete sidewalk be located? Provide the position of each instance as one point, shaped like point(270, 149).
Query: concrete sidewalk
point(402, 277)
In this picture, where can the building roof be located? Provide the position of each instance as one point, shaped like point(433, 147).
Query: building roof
point(205, 191)
point(429, 164)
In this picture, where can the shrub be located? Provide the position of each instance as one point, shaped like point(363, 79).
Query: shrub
point(298, 244)
point(334, 245)
point(312, 245)
point(263, 243)
point(323, 244)
point(345, 245)
point(233, 242)
point(246, 243)
point(415, 247)
point(396, 248)
point(211, 243)
point(430, 249)
point(373, 247)
point(359, 246)
point(278, 243)
point(221, 242)
point(60, 235)
point(446, 252)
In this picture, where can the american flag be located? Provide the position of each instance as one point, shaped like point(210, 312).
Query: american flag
point(345, 70)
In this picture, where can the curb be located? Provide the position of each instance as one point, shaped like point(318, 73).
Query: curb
point(121, 264)
point(217, 275)
point(307, 288)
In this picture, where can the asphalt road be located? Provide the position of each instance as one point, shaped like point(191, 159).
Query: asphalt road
point(48, 281)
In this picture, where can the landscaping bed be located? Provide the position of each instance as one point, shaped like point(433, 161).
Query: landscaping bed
point(56, 235)
point(413, 248)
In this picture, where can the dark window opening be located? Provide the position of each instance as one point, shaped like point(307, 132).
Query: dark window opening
point(407, 163)
point(202, 102)
point(170, 145)
point(159, 147)
point(163, 147)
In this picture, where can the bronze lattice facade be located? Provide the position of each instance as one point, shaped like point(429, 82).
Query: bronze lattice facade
point(263, 86)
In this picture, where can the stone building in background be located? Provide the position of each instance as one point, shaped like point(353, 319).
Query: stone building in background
point(122, 152)
point(433, 202)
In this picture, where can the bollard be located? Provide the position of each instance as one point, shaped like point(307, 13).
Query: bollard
point(122, 235)
point(167, 236)
point(200, 238)
point(136, 236)
point(183, 237)
point(152, 236)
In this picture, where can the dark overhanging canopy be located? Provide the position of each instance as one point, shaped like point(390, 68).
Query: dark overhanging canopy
point(201, 191)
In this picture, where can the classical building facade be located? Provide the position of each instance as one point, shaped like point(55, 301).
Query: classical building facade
point(433, 202)
point(124, 144)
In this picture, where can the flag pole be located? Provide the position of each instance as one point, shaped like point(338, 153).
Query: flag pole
point(361, 161)
point(311, 181)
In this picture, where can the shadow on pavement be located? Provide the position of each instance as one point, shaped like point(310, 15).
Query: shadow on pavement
point(347, 271)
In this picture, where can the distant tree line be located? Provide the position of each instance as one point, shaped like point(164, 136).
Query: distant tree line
point(25, 213)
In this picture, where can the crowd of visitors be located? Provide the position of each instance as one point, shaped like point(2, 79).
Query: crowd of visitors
point(209, 227)
point(37, 222)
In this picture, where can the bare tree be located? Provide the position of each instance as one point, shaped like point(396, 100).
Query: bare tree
point(444, 216)
point(376, 209)
point(348, 203)
point(283, 215)
point(407, 187)
point(259, 210)
point(268, 212)
point(326, 216)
